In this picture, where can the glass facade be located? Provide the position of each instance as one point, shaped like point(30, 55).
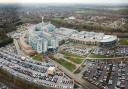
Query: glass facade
point(41, 39)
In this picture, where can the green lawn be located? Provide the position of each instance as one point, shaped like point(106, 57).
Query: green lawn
point(73, 57)
point(76, 60)
point(57, 18)
point(38, 57)
point(66, 64)
point(70, 54)
point(123, 42)
point(77, 71)
point(98, 56)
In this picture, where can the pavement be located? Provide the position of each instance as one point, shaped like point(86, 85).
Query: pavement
point(79, 80)
point(27, 69)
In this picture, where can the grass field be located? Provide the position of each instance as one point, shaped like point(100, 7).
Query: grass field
point(57, 18)
point(76, 60)
point(73, 57)
point(77, 71)
point(123, 42)
point(38, 57)
point(66, 64)
point(70, 54)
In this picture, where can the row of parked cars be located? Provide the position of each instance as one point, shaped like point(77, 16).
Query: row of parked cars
point(78, 51)
point(119, 51)
point(10, 47)
point(107, 75)
point(34, 71)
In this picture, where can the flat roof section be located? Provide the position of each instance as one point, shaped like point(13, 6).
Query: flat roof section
point(108, 38)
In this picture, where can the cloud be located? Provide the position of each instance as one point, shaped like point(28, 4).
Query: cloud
point(64, 1)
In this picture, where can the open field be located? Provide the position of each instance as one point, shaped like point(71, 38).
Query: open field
point(73, 57)
point(66, 64)
point(123, 42)
point(76, 60)
point(37, 57)
point(71, 54)
point(77, 71)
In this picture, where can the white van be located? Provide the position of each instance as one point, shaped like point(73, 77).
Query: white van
point(110, 82)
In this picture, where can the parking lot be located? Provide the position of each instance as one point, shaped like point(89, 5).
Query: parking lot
point(10, 47)
point(117, 52)
point(107, 75)
point(79, 50)
point(29, 69)
point(35, 71)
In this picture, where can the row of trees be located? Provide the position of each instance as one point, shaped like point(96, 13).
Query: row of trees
point(8, 22)
point(9, 18)
point(4, 40)
point(87, 27)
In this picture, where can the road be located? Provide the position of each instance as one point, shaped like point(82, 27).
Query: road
point(84, 60)
point(82, 82)
point(17, 46)
point(85, 84)
point(115, 58)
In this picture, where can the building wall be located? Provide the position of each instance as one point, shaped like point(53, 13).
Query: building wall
point(43, 43)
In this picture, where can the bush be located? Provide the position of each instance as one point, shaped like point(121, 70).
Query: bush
point(4, 40)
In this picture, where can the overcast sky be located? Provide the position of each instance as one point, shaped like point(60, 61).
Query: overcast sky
point(66, 1)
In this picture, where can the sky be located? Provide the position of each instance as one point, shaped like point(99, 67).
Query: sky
point(67, 1)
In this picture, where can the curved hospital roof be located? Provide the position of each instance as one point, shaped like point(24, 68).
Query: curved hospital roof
point(108, 38)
